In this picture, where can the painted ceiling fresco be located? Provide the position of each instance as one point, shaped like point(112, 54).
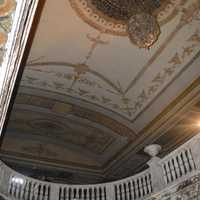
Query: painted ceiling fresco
point(90, 100)
point(7, 8)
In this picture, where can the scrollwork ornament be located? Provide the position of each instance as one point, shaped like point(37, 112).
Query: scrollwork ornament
point(6, 7)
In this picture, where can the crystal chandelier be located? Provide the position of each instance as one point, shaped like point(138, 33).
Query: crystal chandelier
point(133, 18)
point(142, 26)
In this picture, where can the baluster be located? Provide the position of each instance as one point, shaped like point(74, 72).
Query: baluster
point(49, 192)
point(14, 189)
point(134, 189)
point(126, 194)
point(60, 193)
point(116, 192)
point(181, 168)
point(165, 173)
point(19, 187)
point(74, 193)
point(150, 183)
point(90, 194)
point(104, 193)
point(137, 192)
point(46, 192)
point(68, 197)
point(77, 193)
point(84, 194)
point(87, 194)
point(22, 190)
point(10, 187)
point(34, 191)
point(185, 161)
point(122, 192)
point(129, 191)
point(147, 184)
point(26, 187)
point(64, 193)
point(140, 187)
point(100, 193)
point(191, 160)
point(180, 159)
point(144, 185)
point(67, 194)
point(70, 193)
point(188, 160)
point(168, 170)
point(172, 169)
point(177, 168)
point(42, 192)
point(39, 192)
point(31, 190)
point(95, 193)
point(119, 192)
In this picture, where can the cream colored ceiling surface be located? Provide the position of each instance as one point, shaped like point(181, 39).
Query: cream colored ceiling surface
point(108, 70)
point(94, 97)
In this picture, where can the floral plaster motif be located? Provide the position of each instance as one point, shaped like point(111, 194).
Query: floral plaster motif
point(80, 80)
point(116, 24)
point(6, 9)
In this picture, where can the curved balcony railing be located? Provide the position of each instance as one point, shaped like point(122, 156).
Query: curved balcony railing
point(161, 173)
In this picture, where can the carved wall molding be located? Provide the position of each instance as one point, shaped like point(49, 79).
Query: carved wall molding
point(112, 19)
point(20, 21)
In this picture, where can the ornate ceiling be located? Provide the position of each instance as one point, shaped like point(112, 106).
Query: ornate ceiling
point(89, 100)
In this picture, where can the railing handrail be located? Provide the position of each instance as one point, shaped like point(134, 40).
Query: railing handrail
point(161, 173)
point(136, 176)
point(15, 173)
point(179, 149)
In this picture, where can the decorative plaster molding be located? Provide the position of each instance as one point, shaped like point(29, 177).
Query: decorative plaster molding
point(82, 81)
point(22, 19)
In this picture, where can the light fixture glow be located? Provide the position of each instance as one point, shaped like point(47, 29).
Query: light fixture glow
point(198, 123)
point(18, 180)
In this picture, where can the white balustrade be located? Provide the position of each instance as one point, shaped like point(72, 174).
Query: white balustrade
point(134, 187)
point(179, 163)
point(161, 174)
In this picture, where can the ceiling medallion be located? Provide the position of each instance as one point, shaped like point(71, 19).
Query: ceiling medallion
point(140, 20)
point(142, 27)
